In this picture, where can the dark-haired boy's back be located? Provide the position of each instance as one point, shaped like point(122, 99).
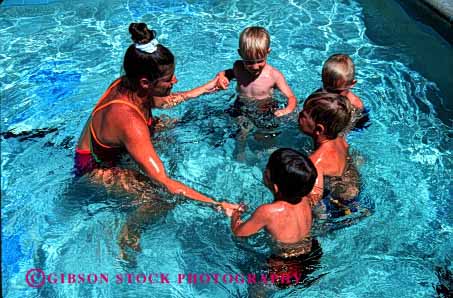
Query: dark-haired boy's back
point(290, 176)
point(287, 223)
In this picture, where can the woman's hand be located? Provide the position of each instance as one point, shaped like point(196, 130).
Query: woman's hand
point(229, 208)
point(223, 81)
point(212, 85)
point(242, 207)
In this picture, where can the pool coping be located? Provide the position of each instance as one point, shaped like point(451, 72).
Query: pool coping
point(442, 7)
point(437, 14)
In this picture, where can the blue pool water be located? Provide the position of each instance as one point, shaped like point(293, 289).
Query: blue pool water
point(58, 58)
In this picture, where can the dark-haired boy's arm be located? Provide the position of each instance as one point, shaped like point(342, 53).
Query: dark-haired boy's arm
point(255, 223)
point(318, 189)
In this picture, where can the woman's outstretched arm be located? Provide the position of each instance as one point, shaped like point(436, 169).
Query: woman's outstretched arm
point(179, 97)
point(136, 138)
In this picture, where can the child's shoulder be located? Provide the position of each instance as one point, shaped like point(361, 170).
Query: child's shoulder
point(355, 100)
point(276, 74)
point(270, 208)
point(272, 68)
point(277, 207)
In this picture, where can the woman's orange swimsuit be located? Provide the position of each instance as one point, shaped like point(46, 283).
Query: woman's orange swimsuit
point(99, 154)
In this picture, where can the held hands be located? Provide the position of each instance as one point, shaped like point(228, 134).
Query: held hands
point(236, 217)
point(212, 85)
point(230, 209)
point(223, 81)
point(241, 209)
point(220, 82)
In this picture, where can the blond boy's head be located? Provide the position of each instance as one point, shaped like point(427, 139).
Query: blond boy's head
point(254, 43)
point(338, 73)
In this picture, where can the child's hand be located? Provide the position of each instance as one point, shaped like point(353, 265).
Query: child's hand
point(223, 81)
point(282, 112)
point(229, 208)
point(242, 207)
point(211, 86)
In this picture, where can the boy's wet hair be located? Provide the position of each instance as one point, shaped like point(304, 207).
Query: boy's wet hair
point(293, 173)
point(138, 64)
point(254, 43)
point(338, 73)
point(331, 110)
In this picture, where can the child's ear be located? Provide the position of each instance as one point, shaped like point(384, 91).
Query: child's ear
point(275, 187)
point(353, 83)
point(145, 83)
point(268, 51)
point(319, 129)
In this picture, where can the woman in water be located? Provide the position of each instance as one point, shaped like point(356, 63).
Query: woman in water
point(120, 122)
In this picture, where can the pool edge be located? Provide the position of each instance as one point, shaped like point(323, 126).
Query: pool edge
point(443, 8)
point(439, 17)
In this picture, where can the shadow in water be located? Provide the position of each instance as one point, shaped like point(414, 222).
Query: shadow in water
point(389, 25)
point(445, 287)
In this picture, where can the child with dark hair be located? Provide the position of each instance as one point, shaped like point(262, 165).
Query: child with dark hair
point(290, 177)
point(338, 76)
point(323, 117)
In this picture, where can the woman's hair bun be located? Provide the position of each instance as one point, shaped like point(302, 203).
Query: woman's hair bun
point(140, 33)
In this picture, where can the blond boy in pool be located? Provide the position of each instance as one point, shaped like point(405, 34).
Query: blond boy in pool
point(256, 79)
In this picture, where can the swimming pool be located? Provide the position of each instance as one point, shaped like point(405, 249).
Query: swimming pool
point(58, 58)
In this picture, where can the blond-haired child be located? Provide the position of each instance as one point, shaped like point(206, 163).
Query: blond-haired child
point(256, 79)
point(255, 108)
point(338, 76)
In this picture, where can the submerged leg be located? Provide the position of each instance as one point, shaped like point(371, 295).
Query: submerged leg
point(347, 188)
point(245, 126)
point(145, 214)
point(149, 201)
point(122, 180)
point(345, 192)
point(163, 122)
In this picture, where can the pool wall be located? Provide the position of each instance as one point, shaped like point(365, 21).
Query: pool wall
point(437, 14)
point(399, 25)
point(443, 7)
